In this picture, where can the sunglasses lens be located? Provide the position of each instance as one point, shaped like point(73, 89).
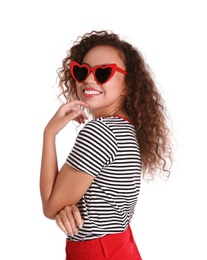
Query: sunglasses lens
point(102, 74)
point(80, 73)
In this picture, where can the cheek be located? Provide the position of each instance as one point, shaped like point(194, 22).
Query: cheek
point(117, 84)
point(78, 89)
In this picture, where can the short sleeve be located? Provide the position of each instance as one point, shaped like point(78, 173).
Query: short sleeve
point(95, 148)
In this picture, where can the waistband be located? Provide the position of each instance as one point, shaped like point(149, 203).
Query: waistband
point(102, 244)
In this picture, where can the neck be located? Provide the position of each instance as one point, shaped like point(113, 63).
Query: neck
point(117, 112)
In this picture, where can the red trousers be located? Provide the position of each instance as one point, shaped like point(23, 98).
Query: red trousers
point(110, 247)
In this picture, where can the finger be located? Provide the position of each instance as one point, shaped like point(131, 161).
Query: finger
point(68, 220)
point(77, 216)
point(75, 103)
point(72, 116)
point(71, 223)
point(79, 120)
point(82, 113)
point(77, 115)
point(61, 225)
point(78, 103)
point(64, 223)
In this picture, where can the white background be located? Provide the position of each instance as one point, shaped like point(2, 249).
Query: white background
point(170, 218)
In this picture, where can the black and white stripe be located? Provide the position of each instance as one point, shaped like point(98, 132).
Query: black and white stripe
point(107, 148)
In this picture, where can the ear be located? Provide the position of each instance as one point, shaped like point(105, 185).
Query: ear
point(124, 92)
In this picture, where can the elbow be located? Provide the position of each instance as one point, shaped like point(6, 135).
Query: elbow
point(48, 213)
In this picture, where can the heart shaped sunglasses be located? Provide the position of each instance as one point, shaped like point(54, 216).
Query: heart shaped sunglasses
point(102, 74)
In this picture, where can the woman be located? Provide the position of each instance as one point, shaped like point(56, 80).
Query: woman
point(128, 135)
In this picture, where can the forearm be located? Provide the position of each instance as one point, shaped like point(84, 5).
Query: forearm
point(49, 167)
point(53, 187)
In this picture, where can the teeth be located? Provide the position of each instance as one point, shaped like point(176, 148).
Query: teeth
point(91, 92)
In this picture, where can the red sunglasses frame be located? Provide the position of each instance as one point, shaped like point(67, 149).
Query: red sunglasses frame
point(112, 66)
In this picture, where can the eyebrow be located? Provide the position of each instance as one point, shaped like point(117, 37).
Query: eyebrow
point(95, 65)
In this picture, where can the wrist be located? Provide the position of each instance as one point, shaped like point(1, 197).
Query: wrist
point(49, 133)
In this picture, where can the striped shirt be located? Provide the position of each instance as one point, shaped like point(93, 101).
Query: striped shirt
point(107, 148)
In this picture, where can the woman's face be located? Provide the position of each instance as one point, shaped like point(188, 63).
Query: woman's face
point(103, 99)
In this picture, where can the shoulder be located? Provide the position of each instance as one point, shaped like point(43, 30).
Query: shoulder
point(110, 127)
point(98, 132)
point(109, 122)
point(100, 125)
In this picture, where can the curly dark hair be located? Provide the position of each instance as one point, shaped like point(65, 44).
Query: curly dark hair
point(143, 103)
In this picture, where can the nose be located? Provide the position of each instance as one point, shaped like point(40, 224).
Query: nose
point(90, 79)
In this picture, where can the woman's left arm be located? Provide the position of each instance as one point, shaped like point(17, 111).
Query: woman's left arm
point(65, 187)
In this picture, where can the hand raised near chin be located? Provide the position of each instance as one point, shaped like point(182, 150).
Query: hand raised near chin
point(69, 220)
point(67, 112)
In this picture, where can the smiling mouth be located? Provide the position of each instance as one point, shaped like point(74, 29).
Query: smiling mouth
point(91, 92)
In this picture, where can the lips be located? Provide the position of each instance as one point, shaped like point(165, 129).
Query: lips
point(91, 92)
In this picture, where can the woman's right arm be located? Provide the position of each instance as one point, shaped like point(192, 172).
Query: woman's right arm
point(69, 220)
